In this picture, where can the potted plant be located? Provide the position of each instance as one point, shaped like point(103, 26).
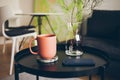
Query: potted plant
point(76, 11)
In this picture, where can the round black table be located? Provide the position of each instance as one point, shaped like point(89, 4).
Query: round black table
point(27, 62)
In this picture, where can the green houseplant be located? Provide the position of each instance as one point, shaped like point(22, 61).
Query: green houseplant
point(76, 11)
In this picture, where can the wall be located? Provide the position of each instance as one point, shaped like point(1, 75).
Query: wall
point(27, 6)
point(110, 5)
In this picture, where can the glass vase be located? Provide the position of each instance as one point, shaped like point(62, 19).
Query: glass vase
point(73, 40)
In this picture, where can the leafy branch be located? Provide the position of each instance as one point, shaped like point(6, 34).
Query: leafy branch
point(76, 7)
point(78, 10)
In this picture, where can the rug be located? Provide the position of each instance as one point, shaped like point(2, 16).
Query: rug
point(26, 76)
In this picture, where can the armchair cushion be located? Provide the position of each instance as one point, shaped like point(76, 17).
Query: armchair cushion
point(103, 33)
point(105, 24)
point(110, 47)
point(18, 30)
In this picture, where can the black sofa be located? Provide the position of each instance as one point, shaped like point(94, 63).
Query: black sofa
point(103, 33)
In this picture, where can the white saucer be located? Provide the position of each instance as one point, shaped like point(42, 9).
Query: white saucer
point(79, 53)
point(47, 60)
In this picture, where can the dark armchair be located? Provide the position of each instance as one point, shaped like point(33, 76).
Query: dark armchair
point(103, 33)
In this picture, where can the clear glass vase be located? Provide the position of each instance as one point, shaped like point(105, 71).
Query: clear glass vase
point(73, 40)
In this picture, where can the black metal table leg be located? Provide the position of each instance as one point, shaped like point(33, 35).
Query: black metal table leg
point(90, 77)
point(16, 70)
point(102, 72)
point(31, 20)
point(39, 24)
point(37, 77)
point(39, 21)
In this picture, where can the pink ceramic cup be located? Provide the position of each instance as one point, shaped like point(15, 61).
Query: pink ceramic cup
point(46, 46)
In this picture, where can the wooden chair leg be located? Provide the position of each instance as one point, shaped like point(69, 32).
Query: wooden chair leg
point(12, 55)
point(17, 45)
point(4, 45)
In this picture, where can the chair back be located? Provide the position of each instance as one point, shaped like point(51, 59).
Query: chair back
point(8, 15)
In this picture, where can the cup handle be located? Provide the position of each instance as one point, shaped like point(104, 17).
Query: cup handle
point(30, 46)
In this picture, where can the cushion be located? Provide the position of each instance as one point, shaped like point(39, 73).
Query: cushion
point(105, 24)
point(110, 47)
point(16, 31)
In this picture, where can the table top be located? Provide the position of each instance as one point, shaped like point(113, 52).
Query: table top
point(40, 14)
point(28, 63)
